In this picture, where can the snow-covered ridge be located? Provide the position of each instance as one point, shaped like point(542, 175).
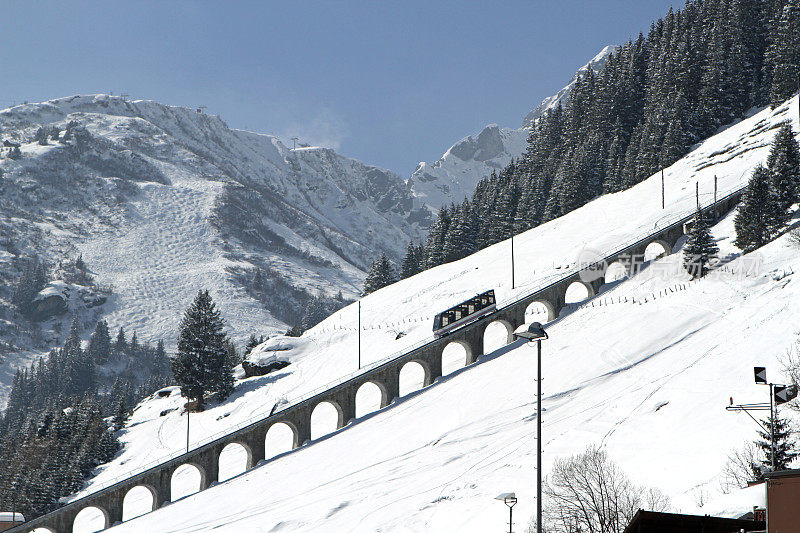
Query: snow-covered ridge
point(161, 201)
point(597, 64)
point(454, 175)
point(441, 456)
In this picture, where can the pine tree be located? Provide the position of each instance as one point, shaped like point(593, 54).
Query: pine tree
point(785, 54)
point(460, 240)
point(252, 342)
point(32, 280)
point(759, 213)
point(121, 345)
point(412, 262)
point(202, 364)
point(784, 164)
point(380, 275)
point(99, 348)
point(15, 153)
point(700, 248)
point(41, 136)
point(434, 249)
point(784, 446)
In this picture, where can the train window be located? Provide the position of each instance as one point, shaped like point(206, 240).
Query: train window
point(491, 298)
point(445, 320)
point(471, 308)
point(457, 314)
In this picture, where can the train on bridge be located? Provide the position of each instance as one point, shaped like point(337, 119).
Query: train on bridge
point(464, 313)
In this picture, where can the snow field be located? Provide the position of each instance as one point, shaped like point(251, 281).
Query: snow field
point(646, 382)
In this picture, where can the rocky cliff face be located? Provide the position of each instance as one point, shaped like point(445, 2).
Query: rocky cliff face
point(455, 175)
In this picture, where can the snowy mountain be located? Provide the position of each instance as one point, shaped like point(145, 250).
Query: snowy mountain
point(597, 64)
point(643, 369)
point(160, 201)
point(455, 175)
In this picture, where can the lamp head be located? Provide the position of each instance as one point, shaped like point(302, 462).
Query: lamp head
point(531, 332)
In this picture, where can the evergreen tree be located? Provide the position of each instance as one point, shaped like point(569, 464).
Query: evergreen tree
point(380, 275)
point(759, 212)
point(413, 263)
point(784, 446)
point(785, 54)
point(700, 248)
point(460, 240)
point(15, 153)
point(784, 164)
point(202, 363)
point(121, 345)
point(41, 136)
point(434, 250)
point(252, 342)
point(99, 348)
point(31, 281)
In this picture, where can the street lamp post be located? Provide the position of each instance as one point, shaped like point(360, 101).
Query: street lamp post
point(535, 332)
point(510, 499)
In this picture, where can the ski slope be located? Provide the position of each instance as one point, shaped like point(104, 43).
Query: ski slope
point(648, 381)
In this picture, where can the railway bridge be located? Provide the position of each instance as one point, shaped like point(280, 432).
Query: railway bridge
point(386, 375)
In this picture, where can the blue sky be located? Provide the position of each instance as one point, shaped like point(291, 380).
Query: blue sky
point(390, 83)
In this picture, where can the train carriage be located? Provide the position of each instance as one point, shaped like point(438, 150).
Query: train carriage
point(464, 313)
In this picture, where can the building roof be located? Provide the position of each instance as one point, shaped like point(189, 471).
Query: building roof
point(652, 522)
point(782, 473)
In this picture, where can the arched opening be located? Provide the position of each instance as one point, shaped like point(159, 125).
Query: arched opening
point(234, 459)
point(656, 249)
point(454, 357)
point(369, 398)
point(539, 311)
point(496, 335)
point(281, 438)
point(138, 501)
point(326, 418)
point(89, 520)
point(42, 530)
point(413, 377)
point(186, 480)
point(578, 291)
point(615, 272)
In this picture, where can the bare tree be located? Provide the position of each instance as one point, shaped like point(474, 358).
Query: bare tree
point(739, 470)
point(589, 493)
point(791, 369)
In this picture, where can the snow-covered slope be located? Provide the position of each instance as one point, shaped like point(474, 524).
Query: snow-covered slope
point(161, 201)
point(647, 380)
point(454, 176)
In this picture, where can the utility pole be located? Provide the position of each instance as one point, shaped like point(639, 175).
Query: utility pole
point(697, 193)
point(715, 188)
point(512, 261)
point(662, 189)
point(359, 333)
point(294, 143)
point(772, 423)
point(188, 410)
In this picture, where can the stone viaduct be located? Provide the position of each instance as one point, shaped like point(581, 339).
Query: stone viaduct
point(386, 376)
